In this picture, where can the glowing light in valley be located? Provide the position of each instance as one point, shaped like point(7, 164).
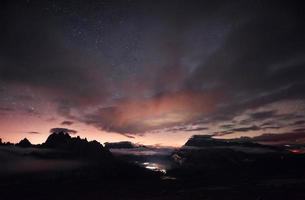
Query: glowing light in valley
point(154, 167)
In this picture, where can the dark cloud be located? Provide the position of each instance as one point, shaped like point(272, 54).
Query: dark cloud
point(133, 67)
point(269, 123)
point(129, 136)
point(262, 115)
point(186, 128)
point(4, 109)
point(198, 129)
point(289, 116)
point(271, 127)
point(245, 129)
point(222, 133)
point(227, 126)
point(33, 132)
point(65, 130)
point(260, 62)
point(281, 138)
point(230, 130)
point(299, 122)
point(299, 130)
point(68, 123)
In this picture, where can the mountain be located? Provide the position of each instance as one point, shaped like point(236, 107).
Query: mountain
point(204, 157)
point(78, 147)
point(204, 141)
point(58, 140)
point(239, 144)
point(24, 143)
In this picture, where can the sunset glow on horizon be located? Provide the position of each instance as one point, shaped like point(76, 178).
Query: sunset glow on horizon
point(145, 73)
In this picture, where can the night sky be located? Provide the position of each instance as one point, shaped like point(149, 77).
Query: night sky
point(153, 72)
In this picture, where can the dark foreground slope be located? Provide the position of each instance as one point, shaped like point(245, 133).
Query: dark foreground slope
point(230, 160)
point(241, 169)
point(205, 168)
point(64, 167)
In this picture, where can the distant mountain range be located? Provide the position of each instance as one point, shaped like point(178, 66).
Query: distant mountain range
point(68, 146)
point(200, 152)
point(203, 162)
point(204, 157)
point(62, 156)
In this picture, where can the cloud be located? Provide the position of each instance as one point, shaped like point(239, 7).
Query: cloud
point(33, 132)
point(166, 110)
point(150, 69)
point(299, 130)
point(262, 115)
point(129, 136)
point(226, 126)
point(281, 138)
point(67, 123)
point(184, 128)
point(4, 109)
point(245, 129)
point(252, 70)
point(198, 129)
point(65, 130)
point(271, 127)
point(299, 122)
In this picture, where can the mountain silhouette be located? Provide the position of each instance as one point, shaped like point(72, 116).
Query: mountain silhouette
point(204, 157)
point(82, 148)
point(205, 147)
point(203, 141)
point(58, 140)
point(25, 143)
point(204, 165)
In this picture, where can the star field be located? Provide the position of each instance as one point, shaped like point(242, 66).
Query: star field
point(152, 71)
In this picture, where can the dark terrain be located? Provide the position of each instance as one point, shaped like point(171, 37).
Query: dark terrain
point(204, 168)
